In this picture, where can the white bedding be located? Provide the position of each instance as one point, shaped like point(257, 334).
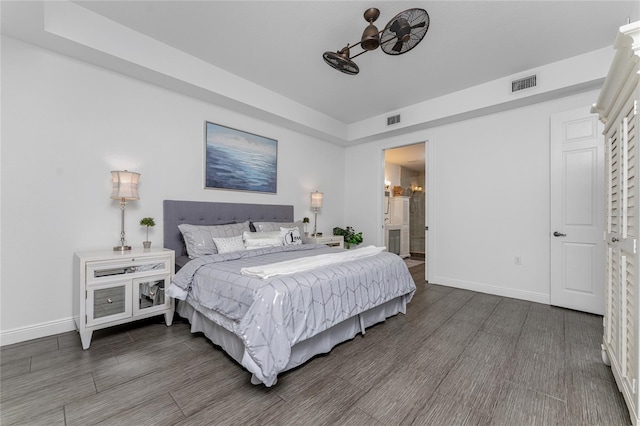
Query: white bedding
point(308, 263)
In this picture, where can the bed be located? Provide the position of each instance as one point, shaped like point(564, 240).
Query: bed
point(272, 325)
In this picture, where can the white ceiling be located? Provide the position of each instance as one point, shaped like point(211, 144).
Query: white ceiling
point(279, 44)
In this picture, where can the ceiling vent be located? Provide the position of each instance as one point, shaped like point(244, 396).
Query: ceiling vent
point(524, 83)
point(395, 119)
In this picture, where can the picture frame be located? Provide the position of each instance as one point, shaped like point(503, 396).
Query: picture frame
point(239, 161)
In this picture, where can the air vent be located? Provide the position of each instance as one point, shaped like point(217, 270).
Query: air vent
point(524, 83)
point(395, 119)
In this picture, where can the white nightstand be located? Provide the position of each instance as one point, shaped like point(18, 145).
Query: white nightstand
point(330, 240)
point(112, 288)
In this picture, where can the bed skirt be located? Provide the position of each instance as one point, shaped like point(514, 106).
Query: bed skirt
point(302, 351)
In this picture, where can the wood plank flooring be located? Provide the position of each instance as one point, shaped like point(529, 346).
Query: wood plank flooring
point(457, 358)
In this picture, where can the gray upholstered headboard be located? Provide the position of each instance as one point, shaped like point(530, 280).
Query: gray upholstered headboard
point(211, 213)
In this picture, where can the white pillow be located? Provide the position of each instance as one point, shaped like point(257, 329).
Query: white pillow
point(253, 240)
point(291, 236)
point(227, 245)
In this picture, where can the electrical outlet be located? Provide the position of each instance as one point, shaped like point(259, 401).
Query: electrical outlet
point(517, 260)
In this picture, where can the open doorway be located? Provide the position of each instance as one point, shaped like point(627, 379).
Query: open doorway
point(405, 201)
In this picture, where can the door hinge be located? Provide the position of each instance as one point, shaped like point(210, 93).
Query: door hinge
point(426, 228)
point(634, 386)
point(635, 246)
point(86, 294)
point(635, 107)
point(85, 319)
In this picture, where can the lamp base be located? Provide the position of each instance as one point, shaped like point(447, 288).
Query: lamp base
point(122, 248)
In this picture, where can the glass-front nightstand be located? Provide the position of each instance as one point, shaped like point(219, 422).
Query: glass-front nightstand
point(112, 288)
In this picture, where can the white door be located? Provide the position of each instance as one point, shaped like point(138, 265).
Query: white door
point(577, 211)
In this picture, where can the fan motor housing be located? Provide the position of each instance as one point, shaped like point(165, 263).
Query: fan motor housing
point(370, 38)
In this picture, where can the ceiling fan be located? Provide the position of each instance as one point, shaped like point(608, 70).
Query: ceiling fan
point(401, 34)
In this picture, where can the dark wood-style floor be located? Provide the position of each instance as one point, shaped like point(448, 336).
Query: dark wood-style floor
point(456, 358)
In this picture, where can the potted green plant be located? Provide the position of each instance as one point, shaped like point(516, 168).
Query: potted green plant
point(349, 235)
point(305, 223)
point(148, 222)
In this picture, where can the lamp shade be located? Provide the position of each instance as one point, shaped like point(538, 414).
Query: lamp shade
point(125, 185)
point(316, 200)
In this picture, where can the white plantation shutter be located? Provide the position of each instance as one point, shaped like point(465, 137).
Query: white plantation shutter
point(621, 320)
point(613, 186)
point(617, 106)
point(630, 353)
point(611, 319)
point(629, 297)
point(613, 161)
point(630, 142)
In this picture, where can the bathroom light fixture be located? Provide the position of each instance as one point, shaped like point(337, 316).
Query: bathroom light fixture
point(125, 188)
point(316, 203)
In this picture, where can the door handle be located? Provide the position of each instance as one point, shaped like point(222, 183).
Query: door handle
point(614, 240)
point(558, 234)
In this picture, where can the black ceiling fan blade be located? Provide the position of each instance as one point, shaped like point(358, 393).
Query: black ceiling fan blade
point(395, 26)
point(420, 25)
point(397, 47)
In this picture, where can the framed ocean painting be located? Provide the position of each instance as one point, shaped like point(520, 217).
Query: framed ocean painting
point(239, 161)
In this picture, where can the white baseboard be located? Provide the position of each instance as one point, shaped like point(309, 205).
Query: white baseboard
point(36, 331)
point(530, 296)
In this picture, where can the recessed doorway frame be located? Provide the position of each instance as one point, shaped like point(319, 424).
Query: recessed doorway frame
point(428, 188)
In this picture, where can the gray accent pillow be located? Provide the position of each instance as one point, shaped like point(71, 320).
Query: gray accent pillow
point(199, 238)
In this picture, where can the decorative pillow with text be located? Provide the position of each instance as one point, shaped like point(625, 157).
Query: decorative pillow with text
point(291, 236)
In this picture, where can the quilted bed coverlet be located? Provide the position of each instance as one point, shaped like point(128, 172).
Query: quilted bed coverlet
point(271, 315)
